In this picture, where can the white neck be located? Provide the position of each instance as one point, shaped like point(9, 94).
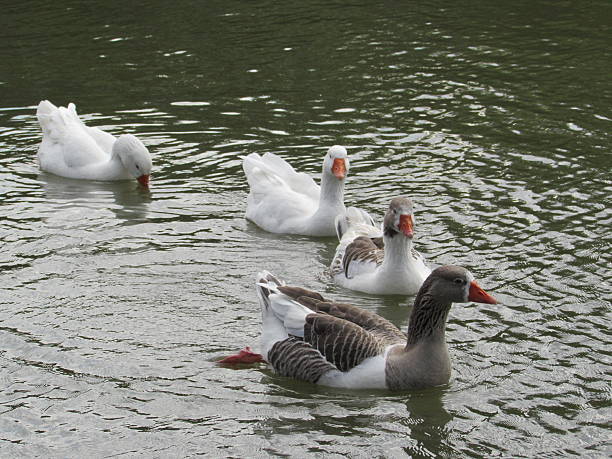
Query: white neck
point(112, 169)
point(397, 252)
point(332, 191)
point(331, 204)
point(331, 199)
point(118, 151)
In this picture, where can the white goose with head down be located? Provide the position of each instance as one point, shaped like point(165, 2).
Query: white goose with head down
point(71, 149)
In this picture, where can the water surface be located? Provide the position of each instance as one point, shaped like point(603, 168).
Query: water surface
point(116, 302)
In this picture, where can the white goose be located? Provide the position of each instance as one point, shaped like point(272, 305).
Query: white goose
point(71, 149)
point(386, 265)
point(282, 200)
point(336, 344)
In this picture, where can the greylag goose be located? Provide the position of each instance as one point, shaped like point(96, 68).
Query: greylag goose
point(309, 338)
point(282, 200)
point(387, 265)
point(71, 149)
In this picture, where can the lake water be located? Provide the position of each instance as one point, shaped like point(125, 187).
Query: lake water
point(115, 302)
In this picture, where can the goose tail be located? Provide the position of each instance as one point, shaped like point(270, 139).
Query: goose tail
point(54, 121)
point(353, 216)
point(266, 284)
point(45, 114)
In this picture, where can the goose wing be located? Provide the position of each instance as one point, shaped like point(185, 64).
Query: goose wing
point(378, 326)
point(104, 140)
point(329, 343)
point(275, 170)
point(363, 255)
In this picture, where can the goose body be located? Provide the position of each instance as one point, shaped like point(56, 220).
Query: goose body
point(71, 149)
point(307, 337)
point(379, 262)
point(282, 200)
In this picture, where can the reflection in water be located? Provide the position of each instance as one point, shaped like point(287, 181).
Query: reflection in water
point(130, 201)
point(428, 426)
point(115, 300)
point(327, 420)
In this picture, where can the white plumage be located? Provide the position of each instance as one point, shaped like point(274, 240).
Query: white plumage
point(282, 200)
point(71, 149)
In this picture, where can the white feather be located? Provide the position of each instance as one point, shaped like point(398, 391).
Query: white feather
point(290, 313)
point(281, 316)
point(282, 200)
point(71, 149)
point(369, 374)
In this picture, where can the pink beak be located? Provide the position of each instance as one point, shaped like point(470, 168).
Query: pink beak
point(406, 225)
point(478, 295)
point(144, 180)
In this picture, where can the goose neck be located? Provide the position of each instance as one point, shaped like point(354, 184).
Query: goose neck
point(397, 250)
point(332, 191)
point(428, 319)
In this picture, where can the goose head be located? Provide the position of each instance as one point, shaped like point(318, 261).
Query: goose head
point(336, 162)
point(134, 156)
point(399, 218)
point(454, 284)
point(444, 286)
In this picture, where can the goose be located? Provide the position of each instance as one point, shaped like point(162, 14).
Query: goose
point(387, 265)
point(71, 149)
point(312, 339)
point(282, 200)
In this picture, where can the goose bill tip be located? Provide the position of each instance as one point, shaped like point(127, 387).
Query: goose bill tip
point(144, 179)
point(406, 225)
point(478, 295)
point(339, 168)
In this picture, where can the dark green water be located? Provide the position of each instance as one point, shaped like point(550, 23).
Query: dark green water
point(115, 303)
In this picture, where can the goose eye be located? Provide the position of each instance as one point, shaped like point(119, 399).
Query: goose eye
point(459, 281)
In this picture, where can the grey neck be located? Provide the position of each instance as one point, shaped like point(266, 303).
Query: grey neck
point(428, 318)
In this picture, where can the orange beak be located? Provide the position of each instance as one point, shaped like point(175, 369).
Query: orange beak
point(144, 180)
point(406, 225)
point(478, 295)
point(339, 168)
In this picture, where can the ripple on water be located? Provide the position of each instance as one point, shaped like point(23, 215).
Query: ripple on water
point(117, 301)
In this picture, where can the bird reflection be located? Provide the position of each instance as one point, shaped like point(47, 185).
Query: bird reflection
point(415, 422)
point(130, 201)
point(429, 419)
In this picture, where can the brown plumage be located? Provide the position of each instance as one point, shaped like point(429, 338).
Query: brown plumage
point(363, 248)
point(312, 339)
point(372, 323)
point(343, 343)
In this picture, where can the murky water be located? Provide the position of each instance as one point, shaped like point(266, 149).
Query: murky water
point(116, 302)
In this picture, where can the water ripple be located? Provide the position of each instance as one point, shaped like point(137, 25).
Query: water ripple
point(117, 301)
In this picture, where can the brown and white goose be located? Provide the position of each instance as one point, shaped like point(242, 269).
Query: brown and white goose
point(371, 263)
point(310, 338)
